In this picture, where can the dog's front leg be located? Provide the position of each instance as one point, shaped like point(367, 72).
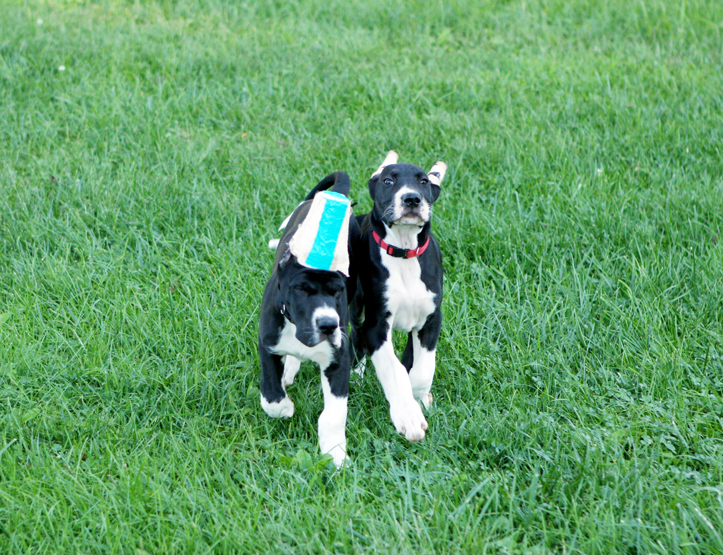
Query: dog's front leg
point(332, 420)
point(274, 400)
point(405, 411)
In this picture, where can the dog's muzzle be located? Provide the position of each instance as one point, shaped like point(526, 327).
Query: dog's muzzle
point(411, 200)
point(411, 208)
point(326, 325)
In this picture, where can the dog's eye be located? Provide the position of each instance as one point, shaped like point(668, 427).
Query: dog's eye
point(424, 181)
point(388, 181)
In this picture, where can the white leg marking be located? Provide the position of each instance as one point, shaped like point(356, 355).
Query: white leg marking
point(273, 244)
point(422, 373)
point(291, 368)
point(282, 409)
point(405, 411)
point(332, 424)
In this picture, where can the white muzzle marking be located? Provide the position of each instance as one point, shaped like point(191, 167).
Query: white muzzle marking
point(326, 312)
point(421, 215)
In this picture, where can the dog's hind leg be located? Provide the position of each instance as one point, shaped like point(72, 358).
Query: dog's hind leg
point(291, 368)
point(421, 374)
point(422, 362)
point(358, 350)
point(408, 354)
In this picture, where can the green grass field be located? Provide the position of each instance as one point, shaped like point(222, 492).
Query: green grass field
point(579, 387)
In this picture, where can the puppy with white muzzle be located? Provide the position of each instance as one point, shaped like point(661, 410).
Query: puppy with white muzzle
point(304, 312)
point(400, 273)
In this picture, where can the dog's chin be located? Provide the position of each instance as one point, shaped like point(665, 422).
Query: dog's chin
point(334, 339)
point(335, 344)
point(411, 220)
point(317, 340)
point(309, 340)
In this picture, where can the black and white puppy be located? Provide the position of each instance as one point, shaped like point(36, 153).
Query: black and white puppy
point(304, 316)
point(400, 273)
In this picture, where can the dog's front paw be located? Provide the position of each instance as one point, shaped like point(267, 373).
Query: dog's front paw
point(409, 421)
point(339, 455)
point(281, 409)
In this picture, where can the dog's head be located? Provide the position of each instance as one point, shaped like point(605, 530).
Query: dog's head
point(313, 300)
point(403, 193)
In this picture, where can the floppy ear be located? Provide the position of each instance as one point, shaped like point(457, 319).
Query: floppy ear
point(373, 185)
point(284, 260)
point(391, 158)
point(436, 175)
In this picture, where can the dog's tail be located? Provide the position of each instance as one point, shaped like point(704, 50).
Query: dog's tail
point(337, 182)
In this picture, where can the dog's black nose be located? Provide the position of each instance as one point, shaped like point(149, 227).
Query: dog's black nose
point(412, 200)
point(327, 325)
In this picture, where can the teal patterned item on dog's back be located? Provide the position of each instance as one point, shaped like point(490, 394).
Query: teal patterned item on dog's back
point(321, 240)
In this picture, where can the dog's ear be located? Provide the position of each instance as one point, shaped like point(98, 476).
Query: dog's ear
point(284, 260)
point(391, 158)
point(436, 175)
point(373, 185)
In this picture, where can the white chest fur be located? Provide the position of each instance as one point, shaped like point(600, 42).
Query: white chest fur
point(289, 345)
point(408, 298)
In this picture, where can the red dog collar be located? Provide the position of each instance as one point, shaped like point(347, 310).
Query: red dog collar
point(396, 251)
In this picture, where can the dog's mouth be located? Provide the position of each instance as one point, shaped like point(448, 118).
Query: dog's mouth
point(411, 217)
point(333, 338)
point(315, 337)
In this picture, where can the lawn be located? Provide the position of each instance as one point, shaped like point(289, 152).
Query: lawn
point(148, 152)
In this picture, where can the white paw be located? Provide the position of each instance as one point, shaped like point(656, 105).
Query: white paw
point(339, 455)
point(291, 368)
point(282, 409)
point(409, 420)
point(360, 368)
point(424, 398)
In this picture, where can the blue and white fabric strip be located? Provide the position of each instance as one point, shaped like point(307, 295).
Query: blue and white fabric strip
point(321, 254)
point(320, 241)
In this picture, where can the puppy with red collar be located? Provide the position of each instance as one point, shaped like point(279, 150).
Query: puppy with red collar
point(400, 278)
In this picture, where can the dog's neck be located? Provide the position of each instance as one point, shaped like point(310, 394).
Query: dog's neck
point(403, 236)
